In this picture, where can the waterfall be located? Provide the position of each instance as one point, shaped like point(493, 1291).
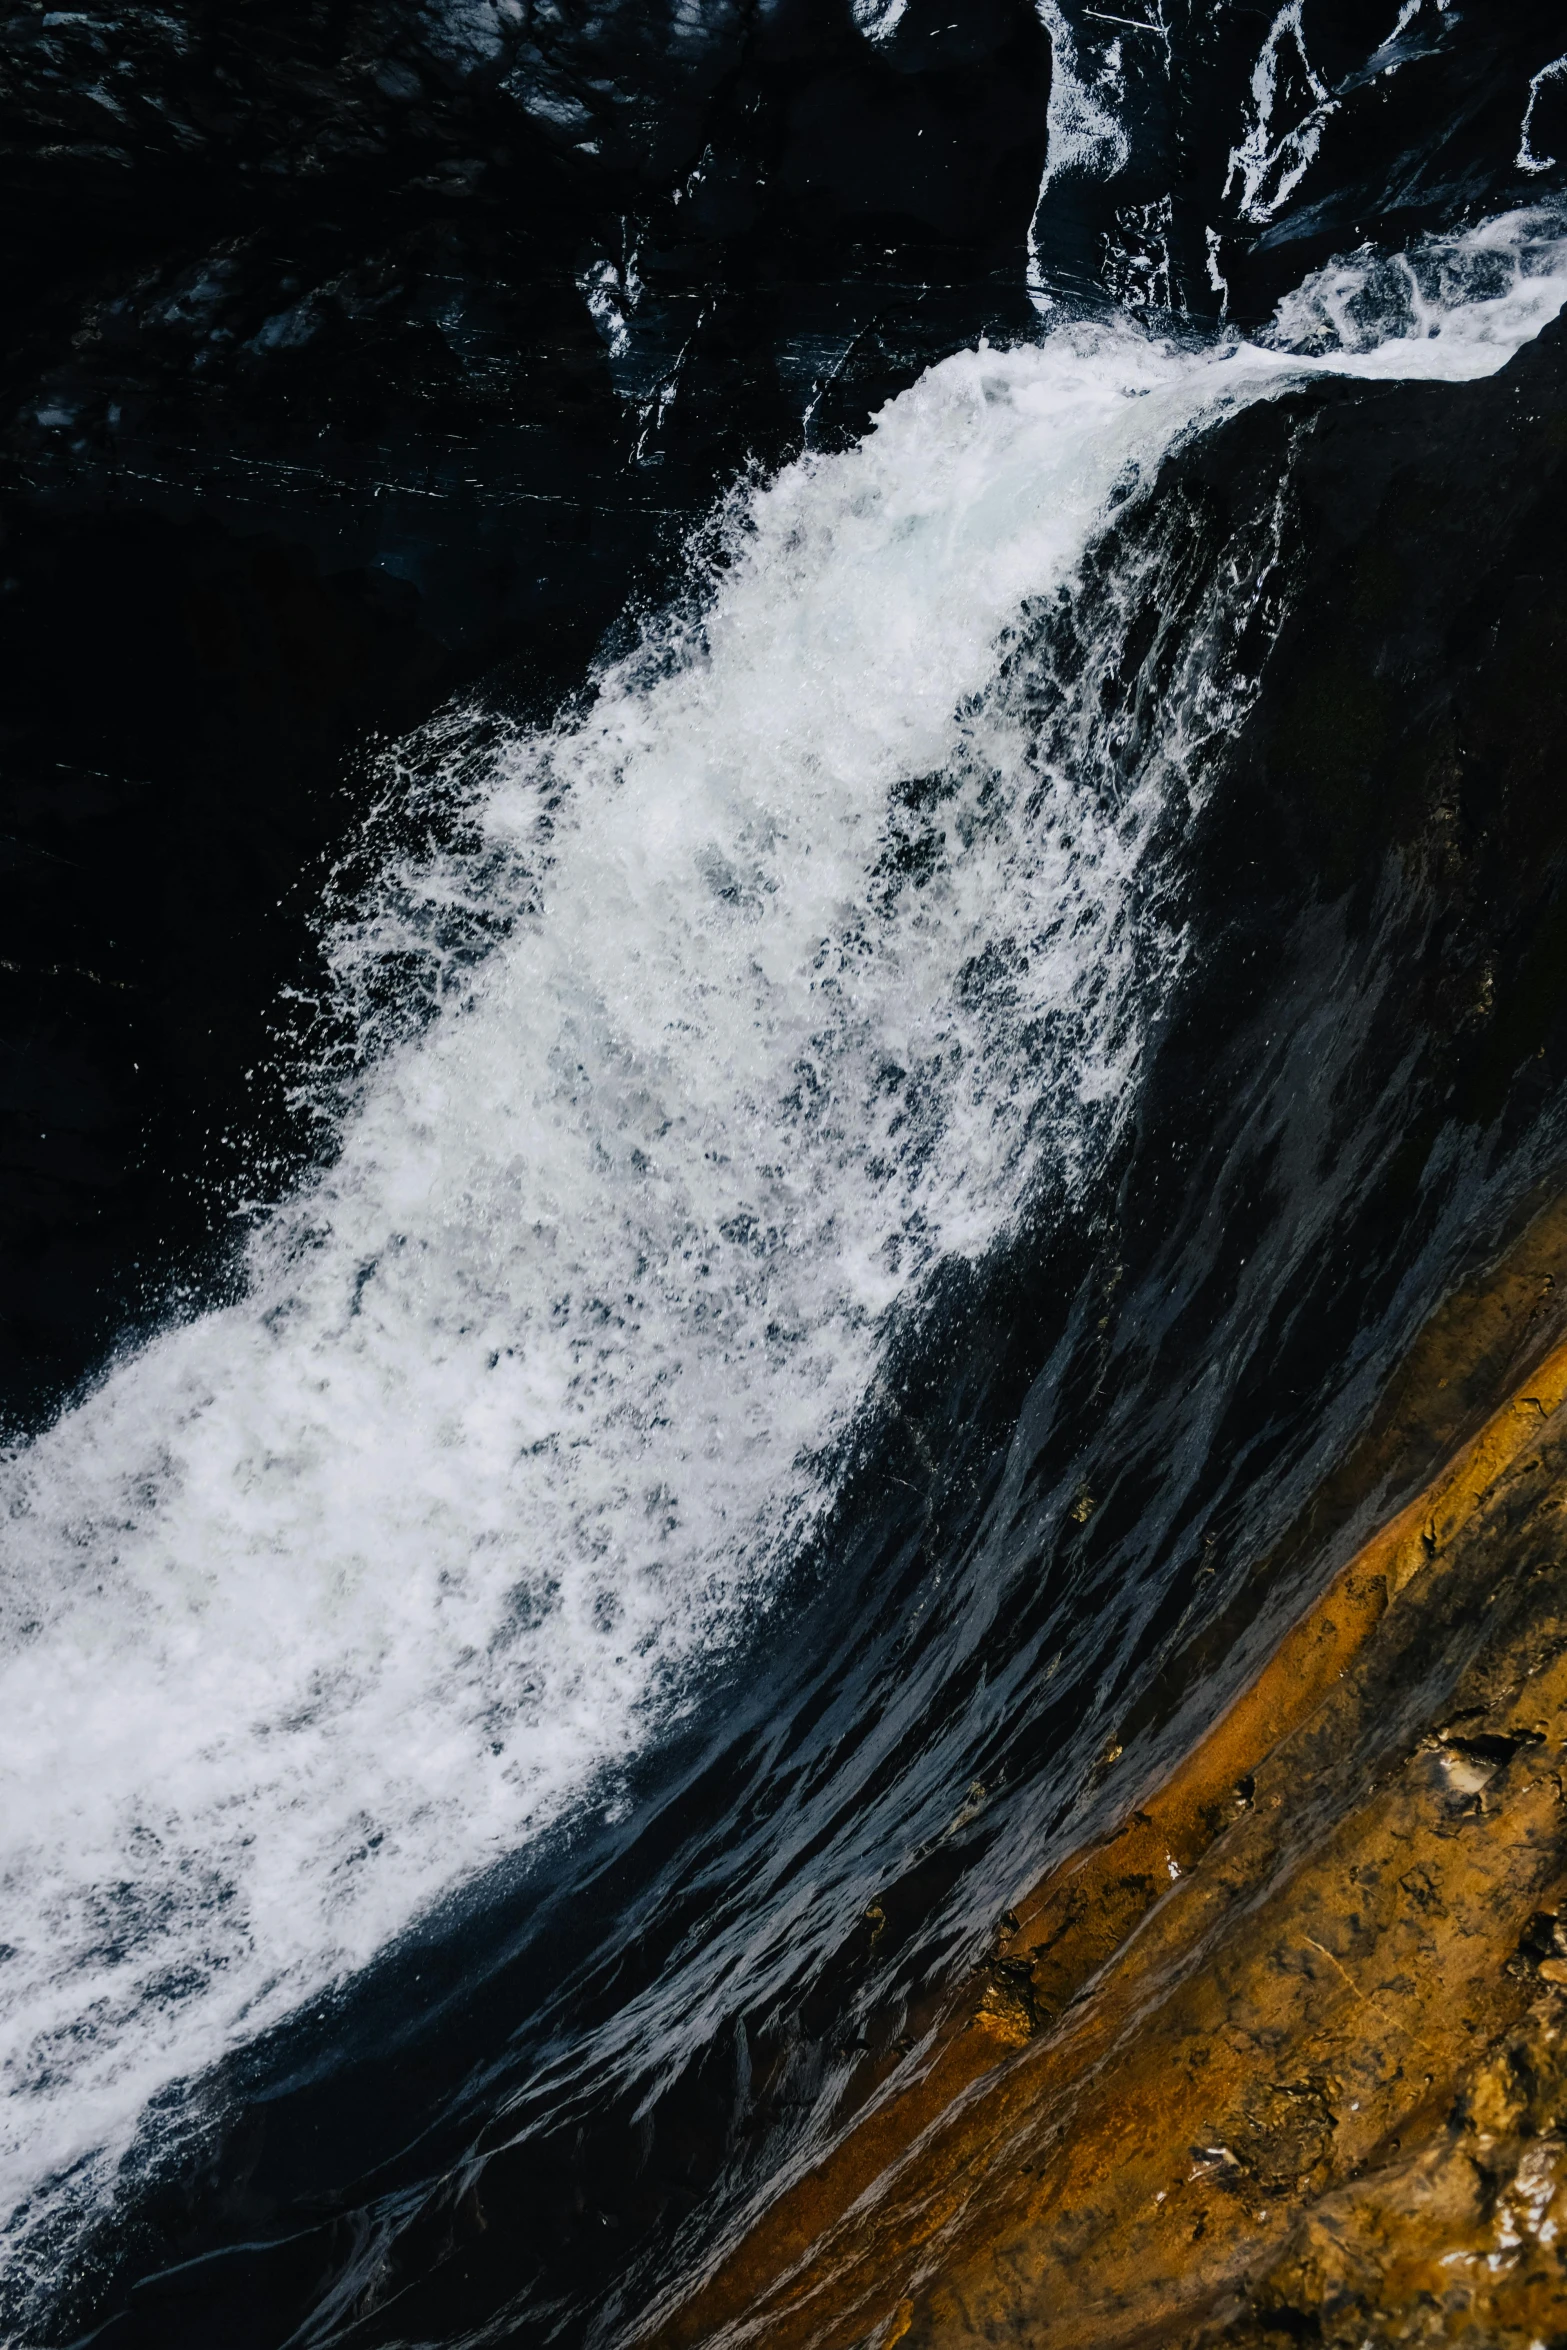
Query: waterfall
point(815, 959)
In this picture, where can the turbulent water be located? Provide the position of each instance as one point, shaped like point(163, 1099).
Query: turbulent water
point(815, 963)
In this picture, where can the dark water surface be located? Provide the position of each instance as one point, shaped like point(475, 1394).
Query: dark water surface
point(358, 359)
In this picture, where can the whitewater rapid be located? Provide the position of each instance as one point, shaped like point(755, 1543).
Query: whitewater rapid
point(816, 965)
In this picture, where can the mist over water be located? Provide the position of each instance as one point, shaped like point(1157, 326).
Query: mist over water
point(820, 960)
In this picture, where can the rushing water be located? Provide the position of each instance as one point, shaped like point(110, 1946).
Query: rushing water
point(816, 963)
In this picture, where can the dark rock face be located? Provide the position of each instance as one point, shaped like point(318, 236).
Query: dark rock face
point(1260, 143)
point(157, 866)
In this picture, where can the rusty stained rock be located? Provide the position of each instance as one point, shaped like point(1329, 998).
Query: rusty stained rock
point(1282, 2056)
point(1461, 2239)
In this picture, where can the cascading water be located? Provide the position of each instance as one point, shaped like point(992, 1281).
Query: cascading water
point(811, 976)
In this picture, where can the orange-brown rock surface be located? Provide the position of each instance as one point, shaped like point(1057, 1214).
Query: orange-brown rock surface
point(1286, 2056)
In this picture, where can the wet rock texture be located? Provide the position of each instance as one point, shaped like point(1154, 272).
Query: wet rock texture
point(1459, 2240)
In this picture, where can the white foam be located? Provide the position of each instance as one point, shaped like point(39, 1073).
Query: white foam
point(1451, 309)
point(878, 20)
point(332, 1597)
